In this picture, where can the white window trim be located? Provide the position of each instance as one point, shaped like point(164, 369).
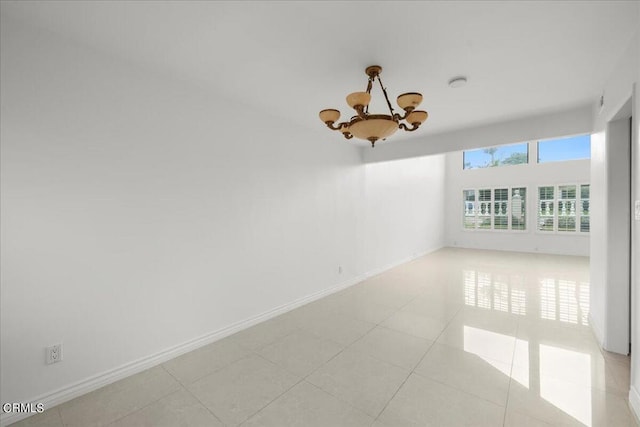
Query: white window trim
point(492, 201)
point(555, 231)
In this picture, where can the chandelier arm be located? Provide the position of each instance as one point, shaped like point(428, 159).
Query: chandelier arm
point(340, 125)
point(407, 128)
point(347, 135)
point(397, 117)
point(386, 97)
point(406, 114)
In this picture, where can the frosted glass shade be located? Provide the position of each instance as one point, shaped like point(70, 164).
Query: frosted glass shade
point(378, 126)
point(358, 98)
point(409, 100)
point(329, 115)
point(417, 116)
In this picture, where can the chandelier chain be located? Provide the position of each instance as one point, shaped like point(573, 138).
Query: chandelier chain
point(369, 86)
point(386, 97)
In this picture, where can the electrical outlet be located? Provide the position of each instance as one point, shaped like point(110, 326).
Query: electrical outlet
point(339, 269)
point(53, 354)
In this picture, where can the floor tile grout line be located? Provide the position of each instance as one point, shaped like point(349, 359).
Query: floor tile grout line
point(149, 403)
point(141, 408)
point(394, 395)
point(418, 374)
point(205, 406)
point(216, 370)
point(174, 377)
point(305, 378)
point(270, 402)
point(339, 399)
point(418, 364)
point(513, 356)
point(184, 387)
point(57, 408)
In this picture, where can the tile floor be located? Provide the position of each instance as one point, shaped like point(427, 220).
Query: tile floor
point(458, 337)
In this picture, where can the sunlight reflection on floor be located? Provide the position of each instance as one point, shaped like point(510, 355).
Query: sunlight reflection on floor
point(547, 306)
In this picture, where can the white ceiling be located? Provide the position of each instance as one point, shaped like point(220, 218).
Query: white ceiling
point(293, 59)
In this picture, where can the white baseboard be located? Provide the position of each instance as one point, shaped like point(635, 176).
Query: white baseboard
point(389, 266)
point(88, 385)
point(634, 403)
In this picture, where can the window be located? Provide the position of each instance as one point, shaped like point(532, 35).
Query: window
point(469, 197)
point(500, 199)
point(546, 213)
point(483, 210)
point(518, 208)
point(503, 155)
point(561, 149)
point(494, 209)
point(563, 208)
point(567, 208)
point(584, 208)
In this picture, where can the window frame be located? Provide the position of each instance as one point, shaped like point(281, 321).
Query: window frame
point(492, 202)
point(556, 210)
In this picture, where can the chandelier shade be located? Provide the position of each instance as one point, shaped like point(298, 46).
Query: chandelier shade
point(358, 99)
point(417, 116)
point(329, 115)
point(374, 127)
point(377, 126)
point(409, 101)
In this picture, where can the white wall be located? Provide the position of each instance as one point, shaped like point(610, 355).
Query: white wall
point(531, 176)
point(141, 214)
point(598, 231)
point(403, 208)
point(634, 393)
point(620, 87)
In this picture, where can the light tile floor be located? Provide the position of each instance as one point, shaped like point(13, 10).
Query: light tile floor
point(458, 337)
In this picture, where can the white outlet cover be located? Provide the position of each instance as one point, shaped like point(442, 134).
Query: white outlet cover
point(53, 354)
point(637, 210)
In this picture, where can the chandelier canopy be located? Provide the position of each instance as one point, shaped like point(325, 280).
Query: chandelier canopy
point(373, 127)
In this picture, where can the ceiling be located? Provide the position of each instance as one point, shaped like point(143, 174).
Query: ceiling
point(292, 59)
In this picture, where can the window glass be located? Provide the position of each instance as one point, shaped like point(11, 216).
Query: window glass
point(469, 197)
point(500, 218)
point(484, 209)
point(584, 209)
point(567, 208)
point(561, 149)
point(518, 208)
point(545, 209)
point(502, 155)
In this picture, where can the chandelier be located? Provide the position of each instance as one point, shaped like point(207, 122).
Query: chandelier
point(373, 127)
